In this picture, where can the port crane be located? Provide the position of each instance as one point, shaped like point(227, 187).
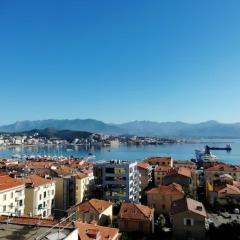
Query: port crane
point(227, 148)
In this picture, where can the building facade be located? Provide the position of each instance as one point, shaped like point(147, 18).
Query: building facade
point(12, 196)
point(119, 180)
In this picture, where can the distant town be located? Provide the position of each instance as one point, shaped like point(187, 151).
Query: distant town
point(56, 137)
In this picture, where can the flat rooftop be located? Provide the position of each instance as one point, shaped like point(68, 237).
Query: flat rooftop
point(32, 232)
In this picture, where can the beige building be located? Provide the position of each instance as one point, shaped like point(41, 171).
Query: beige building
point(82, 187)
point(159, 173)
point(136, 218)
point(160, 161)
point(93, 210)
point(188, 218)
point(161, 197)
point(214, 172)
point(12, 196)
point(145, 170)
point(39, 196)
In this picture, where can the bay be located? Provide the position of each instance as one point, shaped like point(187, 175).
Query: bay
point(183, 151)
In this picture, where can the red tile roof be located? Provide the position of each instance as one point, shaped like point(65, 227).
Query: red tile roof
point(7, 182)
point(94, 206)
point(172, 189)
point(136, 212)
point(144, 165)
point(188, 204)
point(90, 232)
point(35, 180)
point(224, 168)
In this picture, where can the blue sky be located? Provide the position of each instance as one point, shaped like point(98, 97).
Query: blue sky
point(119, 61)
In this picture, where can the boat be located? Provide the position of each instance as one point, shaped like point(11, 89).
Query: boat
point(204, 156)
point(89, 158)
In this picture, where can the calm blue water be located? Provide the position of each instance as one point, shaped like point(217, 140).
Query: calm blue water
point(177, 151)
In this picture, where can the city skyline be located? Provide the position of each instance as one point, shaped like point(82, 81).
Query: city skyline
point(119, 61)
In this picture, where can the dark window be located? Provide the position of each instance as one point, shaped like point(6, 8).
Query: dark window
point(188, 222)
point(44, 194)
point(20, 203)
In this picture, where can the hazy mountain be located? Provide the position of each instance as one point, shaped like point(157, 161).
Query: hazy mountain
point(146, 128)
point(54, 133)
point(89, 125)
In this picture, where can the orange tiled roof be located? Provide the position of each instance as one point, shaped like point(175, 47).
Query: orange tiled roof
point(90, 231)
point(188, 204)
point(224, 167)
point(136, 211)
point(181, 171)
point(35, 180)
point(143, 165)
point(172, 189)
point(228, 190)
point(29, 221)
point(157, 159)
point(94, 206)
point(162, 169)
point(81, 175)
point(7, 182)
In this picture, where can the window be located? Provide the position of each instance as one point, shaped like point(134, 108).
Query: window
point(188, 222)
point(40, 197)
point(20, 203)
point(163, 207)
point(52, 192)
point(4, 197)
point(39, 206)
point(44, 204)
point(11, 194)
point(4, 208)
point(44, 194)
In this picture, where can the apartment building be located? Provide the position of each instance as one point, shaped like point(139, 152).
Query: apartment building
point(12, 196)
point(39, 196)
point(119, 180)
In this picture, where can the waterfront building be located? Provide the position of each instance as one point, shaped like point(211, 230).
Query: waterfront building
point(188, 218)
point(96, 210)
point(159, 173)
point(136, 218)
point(12, 196)
point(39, 196)
point(184, 163)
point(118, 180)
point(161, 197)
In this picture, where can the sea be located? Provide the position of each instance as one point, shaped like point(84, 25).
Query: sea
point(180, 151)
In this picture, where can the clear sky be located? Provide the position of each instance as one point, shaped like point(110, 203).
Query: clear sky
point(117, 61)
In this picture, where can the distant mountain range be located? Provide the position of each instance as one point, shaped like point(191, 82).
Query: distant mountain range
point(141, 128)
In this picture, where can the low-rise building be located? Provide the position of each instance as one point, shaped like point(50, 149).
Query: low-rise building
point(188, 218)
point(184, 163)
point(161, 197)
point(39, 196)
point(159, 173)
point(145, 170)
point(12, 196)
point(216, 171)
point(96, 210)
point(160, 161)
point(136, 217)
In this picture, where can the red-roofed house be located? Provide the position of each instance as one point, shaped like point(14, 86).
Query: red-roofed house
point(136, 217)
point(161, 198)
point(188, 218)
point(93, 210)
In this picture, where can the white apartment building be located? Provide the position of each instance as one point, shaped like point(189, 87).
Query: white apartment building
point(12, 196)
point(39, 196)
